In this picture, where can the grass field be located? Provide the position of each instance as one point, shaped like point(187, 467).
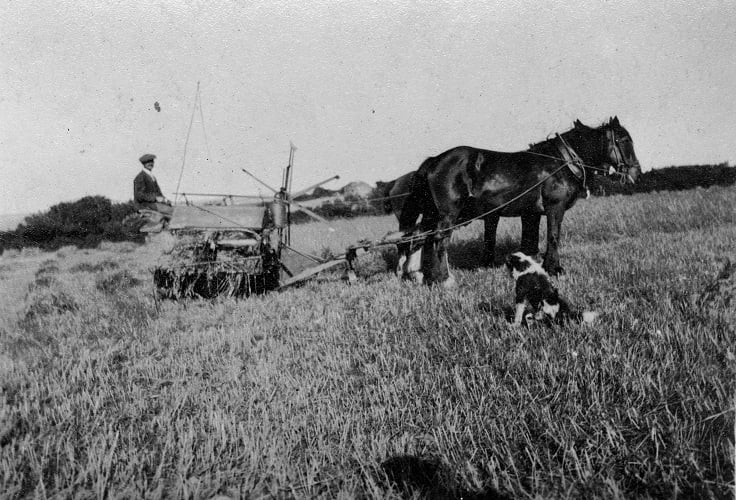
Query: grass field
point(382, 389)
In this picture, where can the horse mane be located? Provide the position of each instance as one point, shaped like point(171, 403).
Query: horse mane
point(546, 142)
point(540, 144)
point(577, 124)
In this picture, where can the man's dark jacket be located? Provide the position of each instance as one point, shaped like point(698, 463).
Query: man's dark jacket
point(145, 189)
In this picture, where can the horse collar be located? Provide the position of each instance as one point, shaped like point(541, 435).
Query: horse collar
point(571, 159)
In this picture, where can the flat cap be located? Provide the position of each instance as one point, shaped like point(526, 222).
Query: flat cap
point(146, 158)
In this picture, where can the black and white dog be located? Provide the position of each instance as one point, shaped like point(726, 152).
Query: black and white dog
point(537, 300)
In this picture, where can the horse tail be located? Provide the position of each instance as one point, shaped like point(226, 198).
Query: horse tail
point(386, 195)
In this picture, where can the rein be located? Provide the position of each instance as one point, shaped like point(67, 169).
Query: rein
point(503, 205)
point(575, 160)
point(384, 198)
point(421, 236)
point(570, 159)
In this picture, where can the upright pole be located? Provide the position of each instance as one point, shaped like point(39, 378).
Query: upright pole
point(186, 143)
point(292, 149)
point(287, 191)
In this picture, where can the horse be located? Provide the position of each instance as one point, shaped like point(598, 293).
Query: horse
point(394, 194)
point(466, 183)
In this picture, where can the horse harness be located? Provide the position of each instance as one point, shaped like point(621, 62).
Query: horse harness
point(615, 150)
point(572, 160)
point(577, 166)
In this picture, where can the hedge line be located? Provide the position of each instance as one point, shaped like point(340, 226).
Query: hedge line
point(92, 219)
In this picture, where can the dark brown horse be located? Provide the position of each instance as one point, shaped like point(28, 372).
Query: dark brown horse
point(395, 192)
point(466, 183)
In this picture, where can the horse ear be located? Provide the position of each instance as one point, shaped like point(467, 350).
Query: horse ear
point(577, 124)
point(615, 121)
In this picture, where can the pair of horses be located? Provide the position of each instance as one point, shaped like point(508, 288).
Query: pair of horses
point(466, 183)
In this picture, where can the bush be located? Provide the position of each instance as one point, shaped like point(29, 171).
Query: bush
point(339, 209)
point(83, 223)
point(667, 179)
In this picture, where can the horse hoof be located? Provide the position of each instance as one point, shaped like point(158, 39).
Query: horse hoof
point(449, 283)
point(417, 277)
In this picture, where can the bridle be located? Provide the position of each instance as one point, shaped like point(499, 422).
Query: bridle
point(569, 158)
point(610, 143)
point(613, 148)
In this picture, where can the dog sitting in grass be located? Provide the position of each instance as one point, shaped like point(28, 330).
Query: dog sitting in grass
point(537, 300)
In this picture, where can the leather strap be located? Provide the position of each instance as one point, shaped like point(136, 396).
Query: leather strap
point(572, 160)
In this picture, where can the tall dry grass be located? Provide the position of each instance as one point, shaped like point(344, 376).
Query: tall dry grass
point(382, 389)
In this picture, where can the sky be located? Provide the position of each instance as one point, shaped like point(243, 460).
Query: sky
point(365, 89)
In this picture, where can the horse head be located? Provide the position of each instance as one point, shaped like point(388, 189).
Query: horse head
point(617, 154)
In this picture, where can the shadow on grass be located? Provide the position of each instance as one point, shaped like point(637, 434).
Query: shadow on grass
point(86, 267)
point(468, 254)
point(494, 309)
point(47, 268)
point(117, 282)
point(428, 477)
point(465, 254)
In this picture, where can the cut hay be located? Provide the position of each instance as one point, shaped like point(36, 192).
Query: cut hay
point(48, 300)
point(198, 268)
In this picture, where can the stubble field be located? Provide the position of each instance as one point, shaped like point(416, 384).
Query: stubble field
point(382, 389)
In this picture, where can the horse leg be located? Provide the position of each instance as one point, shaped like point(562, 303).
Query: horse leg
point(410, 264)
point(530, 234)
point(402, 251)
point(552, 257)
point(490, 223)
point(410, 255)
point(435, 265)
point(448, 279)
point(401, 263)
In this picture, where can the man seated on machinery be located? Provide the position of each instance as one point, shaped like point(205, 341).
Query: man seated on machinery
point(148, 196)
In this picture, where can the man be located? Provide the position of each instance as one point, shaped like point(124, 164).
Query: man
point(147, 195)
